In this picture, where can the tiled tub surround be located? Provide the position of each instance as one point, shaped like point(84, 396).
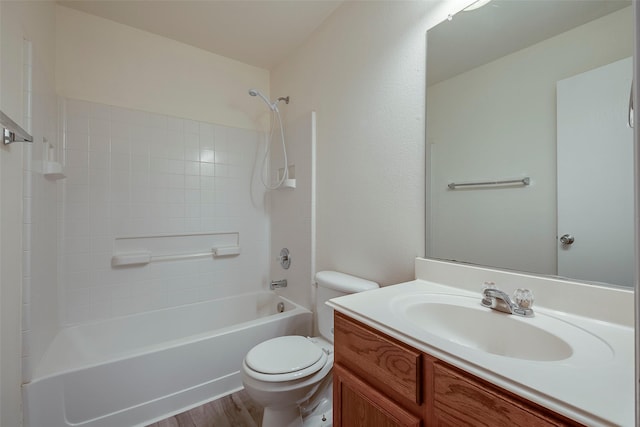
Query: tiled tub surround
point(135, 173)
point(597, 393)
point(138, 369)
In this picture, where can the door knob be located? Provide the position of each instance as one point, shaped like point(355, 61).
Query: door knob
point(567, 239)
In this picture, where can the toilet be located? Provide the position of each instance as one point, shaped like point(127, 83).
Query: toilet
point(290, 376)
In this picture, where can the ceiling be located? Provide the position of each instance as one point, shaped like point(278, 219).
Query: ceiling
point(501, 27)
point(257, 32)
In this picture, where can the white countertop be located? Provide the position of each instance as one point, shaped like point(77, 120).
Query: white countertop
point(598, 393)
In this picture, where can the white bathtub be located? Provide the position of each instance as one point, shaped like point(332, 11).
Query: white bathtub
point(135, 370)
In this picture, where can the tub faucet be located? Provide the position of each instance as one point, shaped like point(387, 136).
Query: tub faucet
point(278, 284)
point(496, 299)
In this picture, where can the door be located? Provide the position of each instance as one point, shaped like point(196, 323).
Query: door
point(595, 175)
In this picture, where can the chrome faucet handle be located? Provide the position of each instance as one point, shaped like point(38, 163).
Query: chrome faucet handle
point(523, 297)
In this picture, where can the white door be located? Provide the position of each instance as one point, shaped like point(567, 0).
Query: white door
point(595, 175)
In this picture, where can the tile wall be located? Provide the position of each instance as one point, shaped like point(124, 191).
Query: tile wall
point(135, 173)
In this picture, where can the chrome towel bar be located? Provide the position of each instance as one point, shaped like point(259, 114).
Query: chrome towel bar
point(12, 132)
point(521, 181)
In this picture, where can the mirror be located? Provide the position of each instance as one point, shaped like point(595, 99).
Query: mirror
point(520, 90)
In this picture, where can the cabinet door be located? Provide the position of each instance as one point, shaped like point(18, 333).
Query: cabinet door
point(461, 400)
point(357, 404)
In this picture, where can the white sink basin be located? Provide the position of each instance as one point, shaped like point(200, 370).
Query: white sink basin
point(464, 321)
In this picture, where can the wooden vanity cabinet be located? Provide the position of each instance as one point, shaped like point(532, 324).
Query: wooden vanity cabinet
point(382, 382)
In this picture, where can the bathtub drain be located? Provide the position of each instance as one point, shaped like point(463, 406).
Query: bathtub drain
point(280, 307)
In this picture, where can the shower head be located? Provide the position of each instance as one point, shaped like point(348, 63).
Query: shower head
point(273, 106)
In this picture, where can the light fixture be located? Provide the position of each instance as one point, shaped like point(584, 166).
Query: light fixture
point(476, 5)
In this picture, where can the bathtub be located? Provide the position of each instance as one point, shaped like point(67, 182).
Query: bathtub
point(135, 370)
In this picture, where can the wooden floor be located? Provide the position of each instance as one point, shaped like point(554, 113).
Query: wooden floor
point(235, 410)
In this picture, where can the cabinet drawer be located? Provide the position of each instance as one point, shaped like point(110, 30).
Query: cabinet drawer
point(462, 400)
point(378, 358)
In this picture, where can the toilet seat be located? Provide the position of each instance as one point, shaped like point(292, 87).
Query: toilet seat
point(284, 359)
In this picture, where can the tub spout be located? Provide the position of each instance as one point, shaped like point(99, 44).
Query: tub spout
point(278, 284)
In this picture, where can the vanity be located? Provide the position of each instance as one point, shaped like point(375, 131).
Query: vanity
point(428, 353)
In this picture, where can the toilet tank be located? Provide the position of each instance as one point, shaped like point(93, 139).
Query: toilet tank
point(332, 284)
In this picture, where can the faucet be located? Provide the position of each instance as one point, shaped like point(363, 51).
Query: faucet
point(278, 284)
point(496, 299)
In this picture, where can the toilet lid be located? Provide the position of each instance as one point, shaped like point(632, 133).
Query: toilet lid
point(283, 355)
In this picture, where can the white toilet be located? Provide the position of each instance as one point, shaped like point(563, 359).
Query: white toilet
point(290, 376)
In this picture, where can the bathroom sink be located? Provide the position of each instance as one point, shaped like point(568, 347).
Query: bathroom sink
point(463, 321)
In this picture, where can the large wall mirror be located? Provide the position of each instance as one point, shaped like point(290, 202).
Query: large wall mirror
point(528, 108)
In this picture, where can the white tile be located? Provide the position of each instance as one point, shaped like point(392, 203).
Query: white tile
point(207, 155)
point(99, 127)
point(191, 195)
point(192, 211)
point(77, 159)
point(76, 228)
point(207, 182)
point(122, 115)
point(76, 262)
point(76, 176)
point(120, 145)
point(175, 123)
point(76, 245)
point(175, 210)
point(191, 126)
point(100, 111)
point(77, 193)
point(176, 182)
point(77, 314)
point(206, 129)
point(102, 244)
point(140, 210)
point(207, 169)
point(100, 260)
point(99, 143)
point(191, 140)
point(141, 148)
point(192, 225)
point(175, 195)
point(78, 124)
point(175, 152)
point(75, 280)
point(99, 160)
point(76, 141)
point(78, 297)
point(191, 182)
point(120, 162)
point(140, 164)
point(176, 167)
point(159, 165)
point(192, 153)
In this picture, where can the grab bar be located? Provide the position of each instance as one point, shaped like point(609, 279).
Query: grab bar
point(12, 132)
point(145, 257)
point(522, 181)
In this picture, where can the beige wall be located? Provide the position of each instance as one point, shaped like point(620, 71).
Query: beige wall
point(363, 72)
point(101, 61)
